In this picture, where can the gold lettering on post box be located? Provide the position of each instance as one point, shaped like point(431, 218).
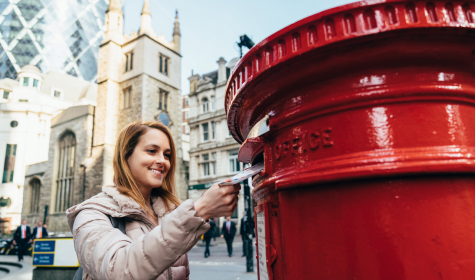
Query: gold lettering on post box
point(300, 143)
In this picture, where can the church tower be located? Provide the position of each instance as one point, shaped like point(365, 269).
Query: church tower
point(139, 78)
point(176, 33)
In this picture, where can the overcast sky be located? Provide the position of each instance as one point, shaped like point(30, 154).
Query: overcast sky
point(211, 28)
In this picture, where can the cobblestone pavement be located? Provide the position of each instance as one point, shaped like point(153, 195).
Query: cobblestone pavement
point(219, 266)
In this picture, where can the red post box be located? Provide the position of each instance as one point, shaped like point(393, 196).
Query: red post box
point(370, 150)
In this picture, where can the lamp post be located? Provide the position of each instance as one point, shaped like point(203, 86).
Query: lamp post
point(249, 227)
point(245, 42)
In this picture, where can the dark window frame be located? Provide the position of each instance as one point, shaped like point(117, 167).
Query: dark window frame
point(65, 175)
point(9, 163)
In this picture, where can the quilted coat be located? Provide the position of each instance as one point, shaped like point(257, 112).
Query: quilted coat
point(146, 251)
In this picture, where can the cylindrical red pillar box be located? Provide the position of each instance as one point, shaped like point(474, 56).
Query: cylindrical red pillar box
point(370, 151)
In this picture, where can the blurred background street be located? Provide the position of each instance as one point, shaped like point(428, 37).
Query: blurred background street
point(219, 265)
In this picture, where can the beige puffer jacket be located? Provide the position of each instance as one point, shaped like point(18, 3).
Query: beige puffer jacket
point(146, 251)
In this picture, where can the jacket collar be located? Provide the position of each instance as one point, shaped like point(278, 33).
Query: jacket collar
point(129, 206)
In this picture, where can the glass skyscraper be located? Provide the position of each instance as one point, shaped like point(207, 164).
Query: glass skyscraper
point(61, 35)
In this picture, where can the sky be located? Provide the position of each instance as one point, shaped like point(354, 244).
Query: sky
point(211, 28)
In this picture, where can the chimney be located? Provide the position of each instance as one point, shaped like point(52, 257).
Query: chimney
point(222, 70)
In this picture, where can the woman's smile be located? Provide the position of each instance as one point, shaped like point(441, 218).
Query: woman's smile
point(156, 172)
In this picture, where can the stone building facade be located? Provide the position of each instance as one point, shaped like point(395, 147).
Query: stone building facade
point(138, 79)
point(27, 106)
point(213, 151)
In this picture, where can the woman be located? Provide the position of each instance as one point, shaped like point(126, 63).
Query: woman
point(160, 229)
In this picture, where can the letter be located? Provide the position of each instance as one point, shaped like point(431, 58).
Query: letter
point(277, 151)
point(304, 142)
point(314, 140)
point(326, 137)
point(295, 145)
point(285, 148)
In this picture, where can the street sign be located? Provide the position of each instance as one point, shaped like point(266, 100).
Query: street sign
point(43, 259)
point(44, 246)
point(54, 252)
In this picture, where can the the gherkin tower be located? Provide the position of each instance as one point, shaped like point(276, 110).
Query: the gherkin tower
point(62, 35)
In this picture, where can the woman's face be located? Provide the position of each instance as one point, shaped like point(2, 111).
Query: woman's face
point(150, 160)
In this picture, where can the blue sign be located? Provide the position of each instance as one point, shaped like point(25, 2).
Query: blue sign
point(44, 246)
point(43, 259)
point(163, 117)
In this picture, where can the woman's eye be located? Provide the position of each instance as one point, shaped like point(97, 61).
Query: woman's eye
point(168, 156)
point(151, 151)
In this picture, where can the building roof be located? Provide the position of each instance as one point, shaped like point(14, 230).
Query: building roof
point(72, 113)
point(212, 75)
point(31, 68)
point(8, 84)
point(72, 88)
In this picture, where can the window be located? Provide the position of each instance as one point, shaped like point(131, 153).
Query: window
point(234, 164)
point(229, 133)
point(187, 115)
point(35, 189)
point(65, 180)
point(57, 94)
point(205, 132)
point(26, 81)
point(162, 99)
point(213, 130)
point(6, 94)
point(9, 165)
point(14, 123)
point(208, 164)
point(163, 64)
point(129, 61)
point(205, 164)
point(35, 83)
point(204, 105)
point(212, 103)
point(127, 98)
point(186, 102)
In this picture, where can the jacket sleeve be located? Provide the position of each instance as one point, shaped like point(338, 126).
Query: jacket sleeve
point(106, 253)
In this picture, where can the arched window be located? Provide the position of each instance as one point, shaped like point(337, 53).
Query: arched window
point(65, 181)
point(205, 105)
point(35, 190)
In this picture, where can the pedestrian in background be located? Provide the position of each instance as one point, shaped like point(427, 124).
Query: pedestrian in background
point(244, 232)
point(228, 232)
point(21, 238)
point(155, 228)
point(208, 235)
point(39, 232)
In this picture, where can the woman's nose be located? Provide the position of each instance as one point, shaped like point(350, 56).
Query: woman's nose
point(160, 159)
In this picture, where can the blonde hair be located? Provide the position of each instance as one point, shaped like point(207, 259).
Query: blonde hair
point(123, 178)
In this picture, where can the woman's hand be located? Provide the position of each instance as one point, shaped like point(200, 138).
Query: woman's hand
point(218, 201)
